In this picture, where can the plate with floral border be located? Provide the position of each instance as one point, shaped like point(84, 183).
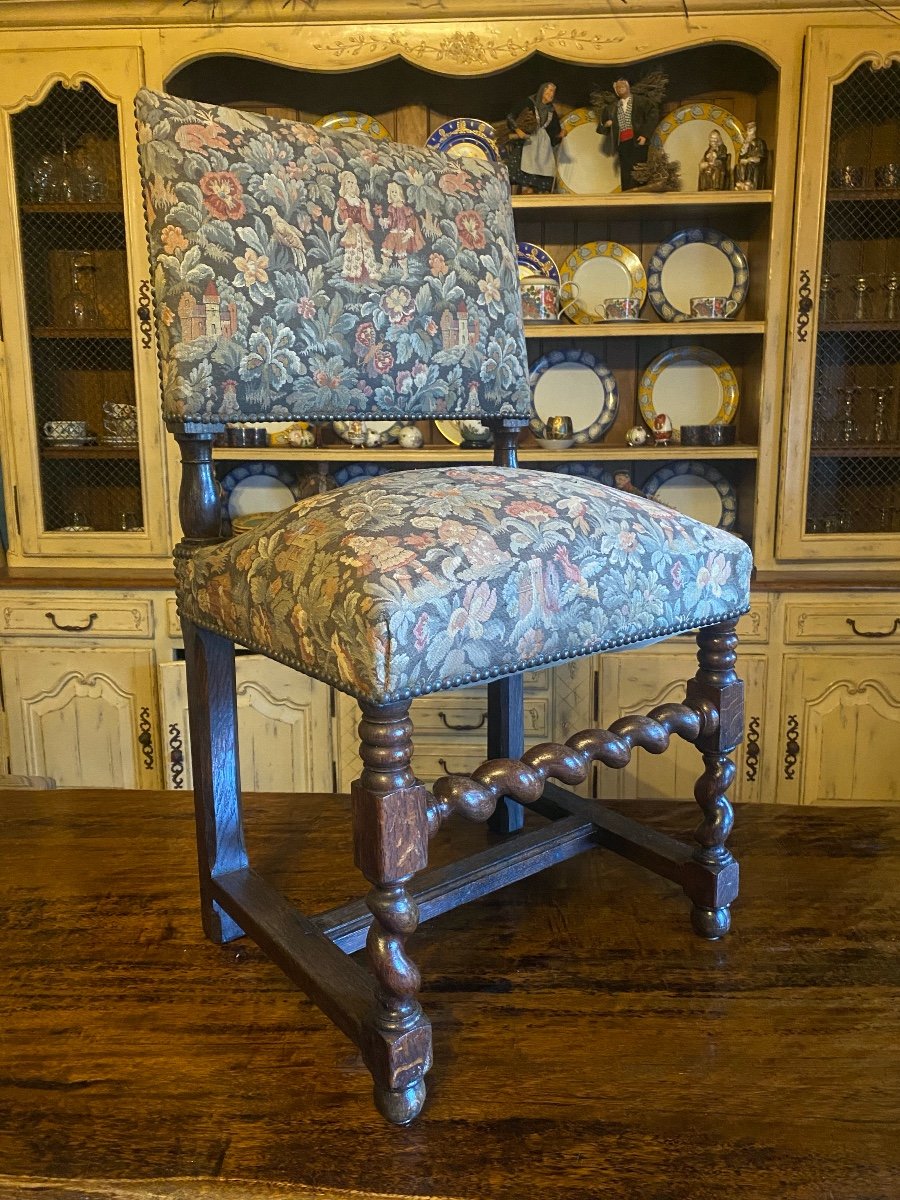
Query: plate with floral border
point(534, 260)
point(585, 164)
point(256, 487)
point(601, 271)
point(465, 137)
point(573, 383)
point(354, 471)
point(355, 122)
point(696, 262)
point(692, 385)
point(684, 135)
point(697, 490)
point(594, 471)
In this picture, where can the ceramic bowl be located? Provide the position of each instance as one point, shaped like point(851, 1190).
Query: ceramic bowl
point(693, 435)
point(720, 435)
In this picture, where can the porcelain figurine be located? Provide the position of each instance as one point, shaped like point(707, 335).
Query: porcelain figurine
point(662, 429)
point(410, 437)
point(750, 168)
point(636, 436)
point(530, 150)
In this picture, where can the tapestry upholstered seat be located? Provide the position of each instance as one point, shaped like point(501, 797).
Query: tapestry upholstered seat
point(308, 274)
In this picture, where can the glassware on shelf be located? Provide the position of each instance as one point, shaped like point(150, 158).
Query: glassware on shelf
point(80, 304)
point(89, 181)
point(828, 291)
point(861, 292)
point(881, 419)
point(891, 286)
point(848, 427)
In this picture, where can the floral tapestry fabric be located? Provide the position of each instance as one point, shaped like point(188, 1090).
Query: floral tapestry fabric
point(305, 273)
point(423, 580)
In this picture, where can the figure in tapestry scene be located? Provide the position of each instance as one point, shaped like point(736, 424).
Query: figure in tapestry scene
point(715, 165)
point(354, 220)
point(530, 151)
point(627, 118)
point(404, 234)
point(750, 168)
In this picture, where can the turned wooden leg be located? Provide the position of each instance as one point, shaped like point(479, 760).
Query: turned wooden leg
point(212, 707)
point(390, 831)
point(716, 684)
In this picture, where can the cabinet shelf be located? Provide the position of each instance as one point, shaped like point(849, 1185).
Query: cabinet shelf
point(685, 329)
point(857, 195)
point(636, 201)
point(79, 452)
point(48, 332)
point(76, 208)
point(855, 452)
point(437, 454)
point(859, 326)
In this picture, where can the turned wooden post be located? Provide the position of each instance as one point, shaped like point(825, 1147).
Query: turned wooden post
point(390, 833)
point(716, 685)
point(199, 509)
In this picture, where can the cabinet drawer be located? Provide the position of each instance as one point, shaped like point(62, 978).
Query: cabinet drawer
point(754, 625)
point(861, 623)
point(465, 716)
point(430, 764)
point(65, 616)
point(173, 621)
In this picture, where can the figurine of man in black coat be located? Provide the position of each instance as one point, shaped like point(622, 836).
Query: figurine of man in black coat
point(629, 121)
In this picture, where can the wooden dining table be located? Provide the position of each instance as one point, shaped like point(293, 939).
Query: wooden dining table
point(587, 1043)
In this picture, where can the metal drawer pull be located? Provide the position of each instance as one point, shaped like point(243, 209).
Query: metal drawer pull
point(462, 728)
point(875, 634)
point(51, 617)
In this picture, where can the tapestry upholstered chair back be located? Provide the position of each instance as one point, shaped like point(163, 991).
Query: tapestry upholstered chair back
point(306, 274)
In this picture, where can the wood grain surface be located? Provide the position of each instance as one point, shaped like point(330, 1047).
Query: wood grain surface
point(587, 1043)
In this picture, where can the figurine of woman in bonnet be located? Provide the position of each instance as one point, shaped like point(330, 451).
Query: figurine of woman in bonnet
point(535, 132)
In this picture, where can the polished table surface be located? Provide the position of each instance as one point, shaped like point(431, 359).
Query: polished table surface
point(587, 1044)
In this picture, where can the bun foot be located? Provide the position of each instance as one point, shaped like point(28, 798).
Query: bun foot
point(402, 1106)
point(711, 923)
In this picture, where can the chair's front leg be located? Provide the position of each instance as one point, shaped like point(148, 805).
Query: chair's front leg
point(390, 832)
point(716, 684)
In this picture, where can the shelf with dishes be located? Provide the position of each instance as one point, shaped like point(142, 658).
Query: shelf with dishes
point(563, 329)
point(528, 453)
point(633, 203)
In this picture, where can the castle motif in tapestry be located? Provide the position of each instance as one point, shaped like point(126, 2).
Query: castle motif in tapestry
point(210, 317)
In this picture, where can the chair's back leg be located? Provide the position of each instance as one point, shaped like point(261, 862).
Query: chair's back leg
point(506, 739)
point(212, 707)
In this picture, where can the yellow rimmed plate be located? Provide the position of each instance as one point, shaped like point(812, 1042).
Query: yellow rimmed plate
point(601, 271)
point(354, 122)
point(684, 135)
point(692, 385)
point(585, 163)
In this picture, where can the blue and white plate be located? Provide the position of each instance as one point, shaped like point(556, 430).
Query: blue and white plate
point(354, 471)
point(465, 137)
point(573, 383)
point(697, 490)
point(534, 260)
point(594, 471)
point(258, 487)
point(696, 262)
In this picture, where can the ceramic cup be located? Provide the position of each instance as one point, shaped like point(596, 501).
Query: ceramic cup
point(112, 408)
point(473, 433)
point(888, 175)
point(621, 308)
point(543, 299)
point(713, 308)
point(123, 429)
point(65, 431)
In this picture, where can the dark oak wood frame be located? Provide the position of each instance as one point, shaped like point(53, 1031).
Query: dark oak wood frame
point(394, 816)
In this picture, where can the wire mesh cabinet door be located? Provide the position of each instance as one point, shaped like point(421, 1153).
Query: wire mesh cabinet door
point(83, 452)
point(841, 476)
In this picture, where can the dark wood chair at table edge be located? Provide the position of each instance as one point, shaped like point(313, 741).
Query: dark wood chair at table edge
point(241, 284)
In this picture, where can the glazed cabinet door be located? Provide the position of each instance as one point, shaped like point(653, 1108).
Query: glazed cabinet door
point(87, 719)
point(284, 727)
point(639, 680)
point(841, 467)
point(82, 429)
point(840, 727)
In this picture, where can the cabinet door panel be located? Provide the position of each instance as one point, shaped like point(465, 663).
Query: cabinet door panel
point(85, 720)
point(284, 727)
point(842, 714)
point(639, 680)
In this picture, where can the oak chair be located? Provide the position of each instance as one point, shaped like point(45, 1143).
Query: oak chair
point(302, 274)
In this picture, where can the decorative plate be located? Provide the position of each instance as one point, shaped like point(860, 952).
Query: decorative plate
point(534, 260)
point(452, 432)
point(585, 163)
point(354, 122)
point(354, 471)
point(684, 135)
point(697, 490)
point(692, 385)
point(465, 137)
point(601, 271)
point(573, 383)
point(256, 487)
point(593, 471)
point(386, 431)
point(696, 262)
